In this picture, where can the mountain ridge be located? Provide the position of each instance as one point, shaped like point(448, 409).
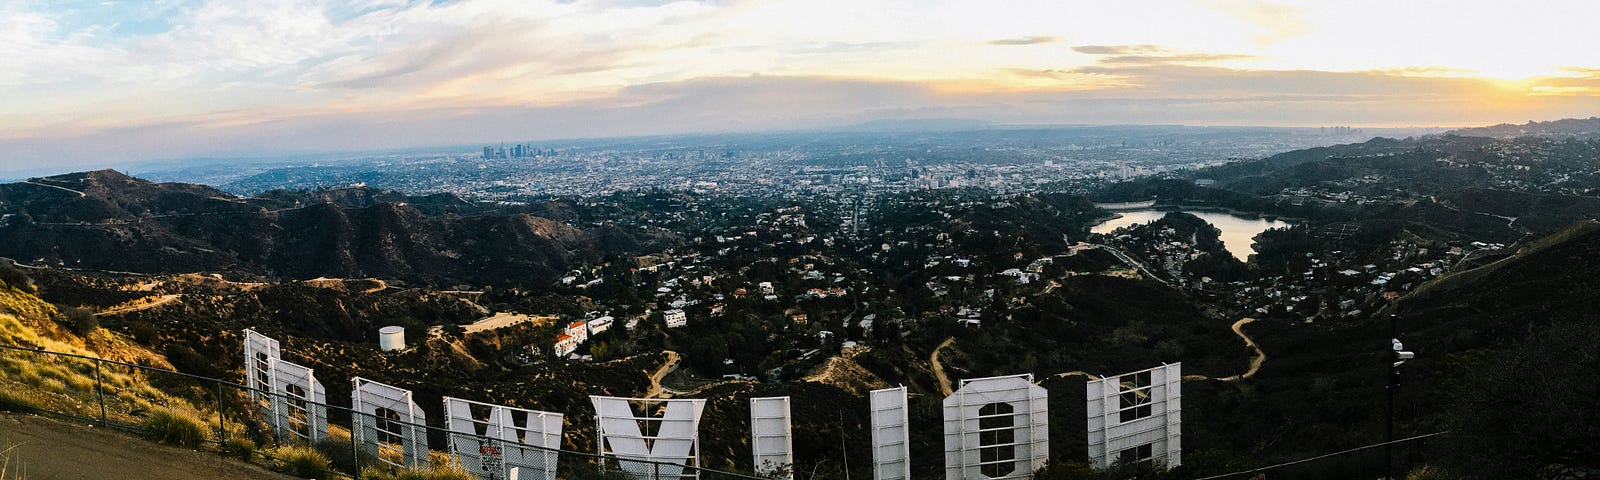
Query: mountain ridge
point(106, 220)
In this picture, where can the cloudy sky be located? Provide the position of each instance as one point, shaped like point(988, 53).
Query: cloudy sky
point(104, 82)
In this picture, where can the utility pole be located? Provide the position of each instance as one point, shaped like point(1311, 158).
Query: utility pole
point(1397, 356)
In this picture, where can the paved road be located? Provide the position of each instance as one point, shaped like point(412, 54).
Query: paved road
point(50, 449)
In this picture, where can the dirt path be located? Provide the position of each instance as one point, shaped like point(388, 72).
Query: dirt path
point(165, 299)
point(1068, 374)
point(504, 319)
point(1255, 363)
point(938, 368)
point(80, 194)
point(49, 449)
point(671, 364)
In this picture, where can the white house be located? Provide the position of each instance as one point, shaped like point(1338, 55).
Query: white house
point(565, 345)
point(579, 331)
point(675, 318)
point(600, 324)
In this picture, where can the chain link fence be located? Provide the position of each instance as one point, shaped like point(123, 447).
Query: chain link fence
point(289, 432)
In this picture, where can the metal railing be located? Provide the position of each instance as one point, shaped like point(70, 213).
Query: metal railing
point(1391, 459)
point(127, 396)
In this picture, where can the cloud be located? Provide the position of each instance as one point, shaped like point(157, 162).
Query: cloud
point(1583, 72)
point(210, 76)
point(1118, 49)
point(1030, 40)
point(1175, 58)
point(1277, 22)
point(1167, 94)
point(1108, 55)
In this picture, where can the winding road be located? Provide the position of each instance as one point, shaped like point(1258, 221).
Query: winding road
point(80, 194)
point(1238, 329)
point(1068, 374)
point(667, 367)
point(938, 368)
point(165, 299)
point(1255, 363)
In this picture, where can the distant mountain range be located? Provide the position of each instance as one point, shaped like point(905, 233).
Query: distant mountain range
point(1567, 127)
point(105, 220)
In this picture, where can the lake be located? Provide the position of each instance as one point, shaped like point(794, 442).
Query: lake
point(1237, 231)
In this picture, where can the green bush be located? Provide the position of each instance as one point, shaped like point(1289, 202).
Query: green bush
point(342, 456)
point(302, 461)
point(174, 428)
point(80, 320)
point(15, 278)
point(13, 402)
point(240, 448)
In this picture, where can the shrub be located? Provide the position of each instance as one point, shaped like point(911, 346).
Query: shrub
point(430, 473)
point(80, 320)
point(240, 448)
point(15, 278)
point(302, 461)
point(7, 471)
point(174, 428)
point(15, 402)
point(342, 456)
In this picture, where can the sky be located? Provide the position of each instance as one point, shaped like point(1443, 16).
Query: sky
point(106, 82)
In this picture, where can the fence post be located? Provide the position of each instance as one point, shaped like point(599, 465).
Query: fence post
point(355, 448)
point(100, 391)
point(657, 475)
point(222, 426)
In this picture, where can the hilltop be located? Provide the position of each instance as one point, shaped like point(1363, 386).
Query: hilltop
point(1567, 127)
point(104, 220)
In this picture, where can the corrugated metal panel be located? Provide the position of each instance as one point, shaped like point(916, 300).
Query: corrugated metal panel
point(403, 422)
point(771, 436)
point(1110, 432)
point(259, 352)
point(525, 451)
point(891, 435)
point(299, 402)
point(996, 427)
point(676, 441)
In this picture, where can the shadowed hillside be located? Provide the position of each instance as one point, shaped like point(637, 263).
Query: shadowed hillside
point(105, 220)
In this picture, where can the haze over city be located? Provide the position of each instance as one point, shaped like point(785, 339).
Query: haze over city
point(92, 84)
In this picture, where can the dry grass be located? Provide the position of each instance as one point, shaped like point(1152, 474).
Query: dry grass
point(301, 461)
point(448, 472)
point(176, 428)
point(67, 384)
point(10, 466)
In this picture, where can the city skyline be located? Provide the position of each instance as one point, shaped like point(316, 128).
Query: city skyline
point(105, 83)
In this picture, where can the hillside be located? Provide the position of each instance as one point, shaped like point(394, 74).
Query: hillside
point(104, 220)
point(50, 448)
point(1567, 127)
point(1485, 189)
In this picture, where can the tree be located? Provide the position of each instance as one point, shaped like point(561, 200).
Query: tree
point(80, 320)
point(1533, 409)
point(15, 278)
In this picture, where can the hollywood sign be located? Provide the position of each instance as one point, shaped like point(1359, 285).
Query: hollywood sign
point(994, 427)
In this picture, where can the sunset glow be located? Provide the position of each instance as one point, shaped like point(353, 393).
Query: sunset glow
point(134, 77)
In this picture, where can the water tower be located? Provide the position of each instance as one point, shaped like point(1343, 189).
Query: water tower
point(392, 338)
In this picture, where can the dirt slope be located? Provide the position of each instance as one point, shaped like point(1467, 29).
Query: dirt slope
point(50, 449)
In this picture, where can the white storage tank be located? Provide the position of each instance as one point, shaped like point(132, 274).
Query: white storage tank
point(392, 338)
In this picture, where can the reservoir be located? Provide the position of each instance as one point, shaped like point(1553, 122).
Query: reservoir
point(1237, 231)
